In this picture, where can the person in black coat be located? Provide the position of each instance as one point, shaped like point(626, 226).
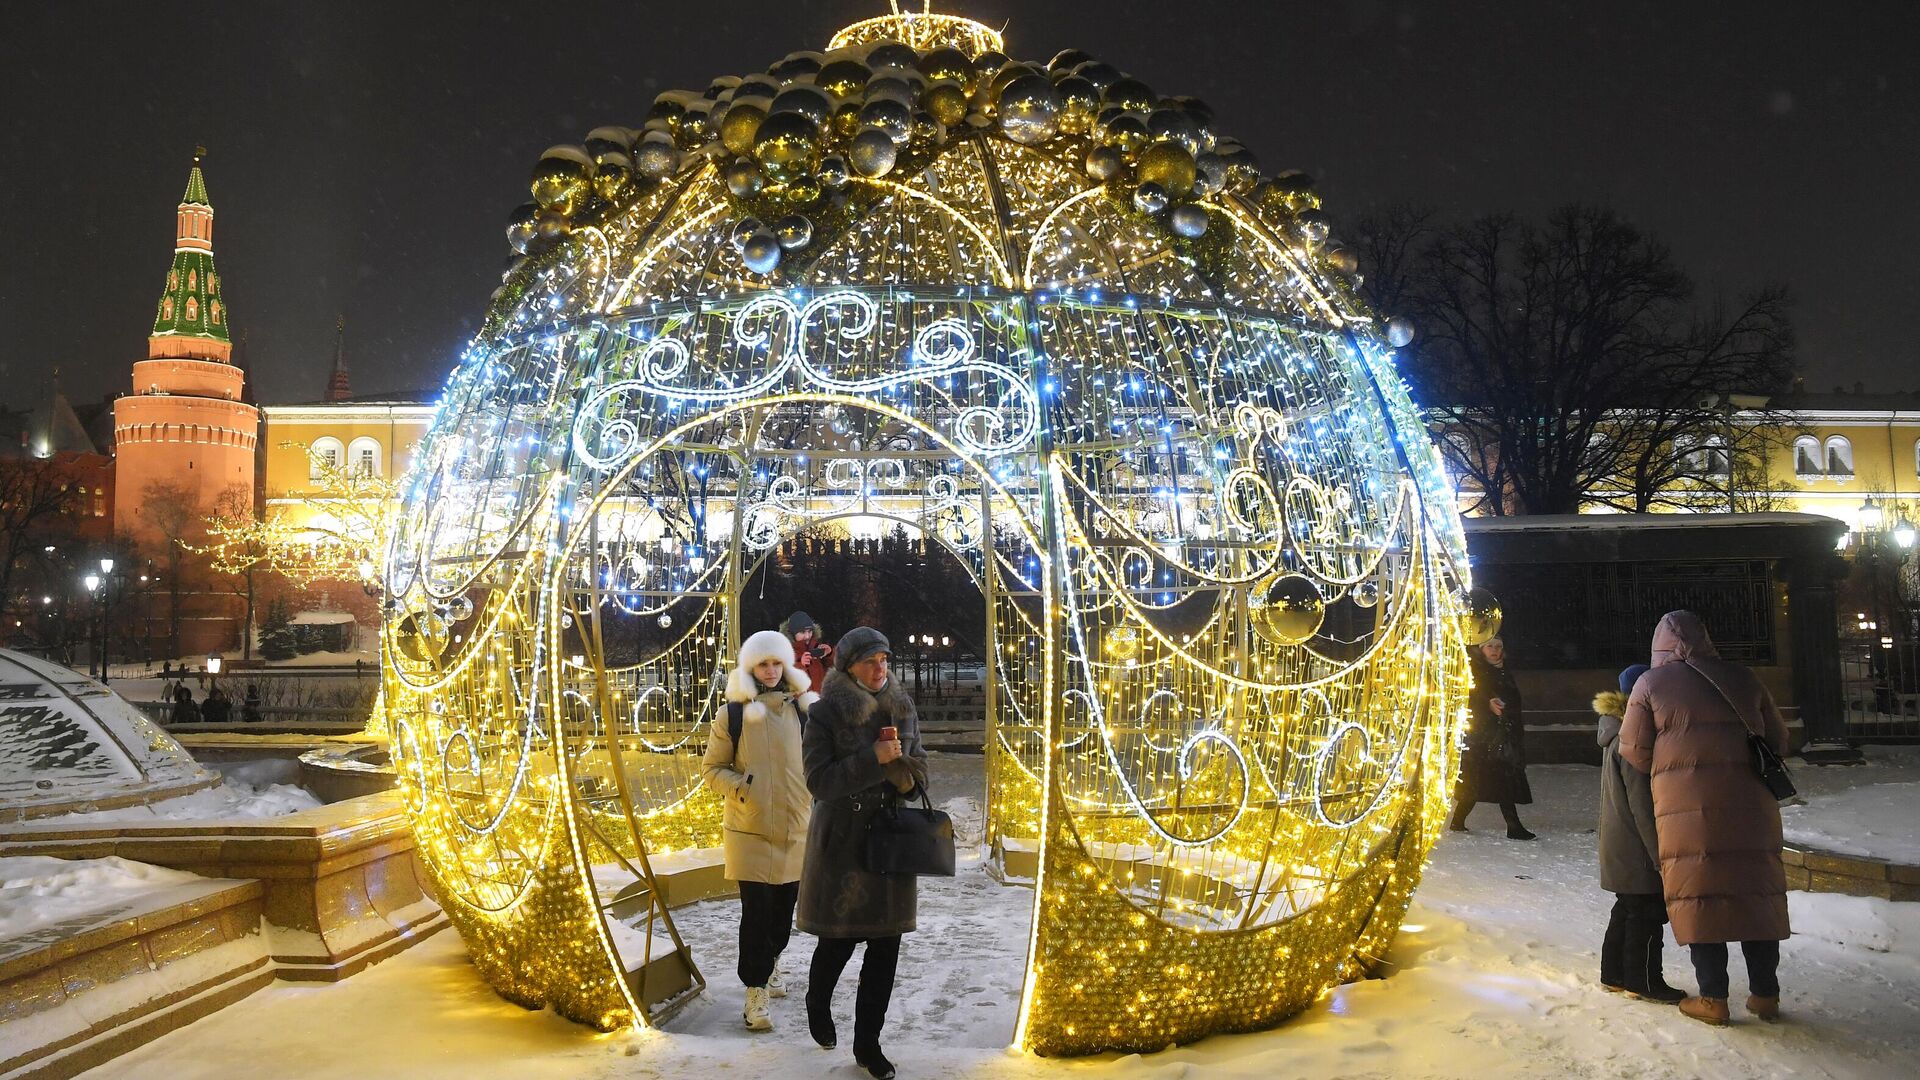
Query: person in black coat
point(1494, 766)
point(218, 708)
point(852, 773)
point(184, 710)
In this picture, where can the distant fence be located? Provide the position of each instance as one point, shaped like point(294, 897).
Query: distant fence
point(1880, 689)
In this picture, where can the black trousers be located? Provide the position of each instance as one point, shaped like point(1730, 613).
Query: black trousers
point(1507, 810)
point(1763, 968)
point(830, 958)
point(1632, 943)
point(766, 923)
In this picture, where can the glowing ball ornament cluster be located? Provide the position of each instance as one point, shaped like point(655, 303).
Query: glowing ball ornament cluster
point(1055, 321)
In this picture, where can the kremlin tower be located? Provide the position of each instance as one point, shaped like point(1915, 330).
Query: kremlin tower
point(187, 422)
point(184, 440)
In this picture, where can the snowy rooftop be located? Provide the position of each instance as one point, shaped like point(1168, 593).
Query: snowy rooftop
point(1551, 522)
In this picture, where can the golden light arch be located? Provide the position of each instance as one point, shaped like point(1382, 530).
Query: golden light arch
point(1220, 561)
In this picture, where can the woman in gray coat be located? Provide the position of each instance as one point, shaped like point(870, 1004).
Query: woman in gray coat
point(853, 772)
point(1630, 953)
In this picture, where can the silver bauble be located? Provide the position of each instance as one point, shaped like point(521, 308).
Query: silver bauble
point(885, 114)
point(1105, 163)
point(664, 620)
point(744, 179)
point(1314, 225)
point(873, 152)
point(891, 88)
point(743, 229)
point(1029, 109)
point(1343, 260)
point(1400, 332)
point(1366, 594)
point(761, 252)
point(1175, 125)
point(1209, 173)
point(833, 172)
point(1189, 221)
point(809, 101)
point(1150, 197)
point(655, 155)
point(793, 231)
point(1479, 616)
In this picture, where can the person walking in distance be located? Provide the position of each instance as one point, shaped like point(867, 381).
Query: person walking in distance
point(1687, 726)
point(862, 749)
point(753, 762)
point(1494, 766)
point(1630, 951)
point(814, 656)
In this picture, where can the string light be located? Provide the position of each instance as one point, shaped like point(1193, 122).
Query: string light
point(1075, 340)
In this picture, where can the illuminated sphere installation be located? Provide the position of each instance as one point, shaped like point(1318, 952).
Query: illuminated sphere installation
point(1044, 316)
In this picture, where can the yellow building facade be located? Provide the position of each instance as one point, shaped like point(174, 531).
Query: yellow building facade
point(374, 438)
point(1855, 463)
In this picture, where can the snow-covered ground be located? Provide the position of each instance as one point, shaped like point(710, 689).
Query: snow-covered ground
point(1494, 977)
point(1871, 809)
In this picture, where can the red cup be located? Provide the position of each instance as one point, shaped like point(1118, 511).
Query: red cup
point(889, 733)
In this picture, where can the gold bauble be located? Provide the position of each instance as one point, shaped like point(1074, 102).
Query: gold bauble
point(558, 182)
point(1169, 165)
point(785, 145)
point(1479, 616)
point(842, 78)
point(1286, 610)
point(611, 179)
point(1123, 643)
point(948, 103)
point(741, 124)
point(946, 64)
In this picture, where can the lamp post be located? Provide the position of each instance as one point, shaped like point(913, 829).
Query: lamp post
point(93, 594)
point(214, 663)
point(107, 582)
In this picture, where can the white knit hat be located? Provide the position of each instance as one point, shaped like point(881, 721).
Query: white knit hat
point(765, 645)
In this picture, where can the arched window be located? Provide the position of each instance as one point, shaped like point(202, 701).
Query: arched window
point(1839, 458)
point(1807, 458)
point(363, 457)
point(1708, 457)
point(327, 453)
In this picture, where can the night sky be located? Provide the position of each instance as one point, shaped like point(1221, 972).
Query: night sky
point(363, 156)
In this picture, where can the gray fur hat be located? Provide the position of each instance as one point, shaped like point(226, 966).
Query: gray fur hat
point(859, 643)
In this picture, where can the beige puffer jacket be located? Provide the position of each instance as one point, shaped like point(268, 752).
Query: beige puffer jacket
point(761, 779)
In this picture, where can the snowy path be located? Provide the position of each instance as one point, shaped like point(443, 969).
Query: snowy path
point(1495, 980)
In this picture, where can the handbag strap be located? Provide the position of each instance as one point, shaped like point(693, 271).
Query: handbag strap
point(1737, 714)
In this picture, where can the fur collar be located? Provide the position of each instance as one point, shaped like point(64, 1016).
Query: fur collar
point(857, 706)
point(1610, 703)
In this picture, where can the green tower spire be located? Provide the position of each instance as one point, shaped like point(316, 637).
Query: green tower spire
point(192, 305)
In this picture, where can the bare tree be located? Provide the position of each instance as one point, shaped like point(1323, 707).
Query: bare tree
point(1565, 360)
point(33, 496)
point(174, 516)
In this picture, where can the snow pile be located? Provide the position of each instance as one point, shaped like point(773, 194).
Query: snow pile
point(1876, 820)
point(228, 800)
point(37, 891)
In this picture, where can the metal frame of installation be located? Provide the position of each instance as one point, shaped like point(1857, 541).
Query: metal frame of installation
point(1057, 324)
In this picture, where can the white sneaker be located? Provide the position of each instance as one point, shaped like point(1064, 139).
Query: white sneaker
point(756, 1015)
point(776, 985)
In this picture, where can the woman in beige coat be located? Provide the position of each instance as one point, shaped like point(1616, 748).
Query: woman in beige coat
point(759, 776)
point(1719, 827)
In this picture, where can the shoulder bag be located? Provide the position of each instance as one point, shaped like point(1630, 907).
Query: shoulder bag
point(1766, 760)
point(910, 839)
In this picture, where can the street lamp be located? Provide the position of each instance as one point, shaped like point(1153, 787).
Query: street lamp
point(1871, 516)
point(214, 663)
point(93, 593)
point(1904, 534)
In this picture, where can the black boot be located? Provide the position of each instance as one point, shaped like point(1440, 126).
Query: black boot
point(1611, 950)
point(1640, 972)
point(1515, 830)
point(871, 1059)
point(1656, 984)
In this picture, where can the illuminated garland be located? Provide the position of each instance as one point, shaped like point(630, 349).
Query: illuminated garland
point(1061, 326)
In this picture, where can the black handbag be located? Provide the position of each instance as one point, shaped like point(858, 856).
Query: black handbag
point(1766, 761)
point(910, 839)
